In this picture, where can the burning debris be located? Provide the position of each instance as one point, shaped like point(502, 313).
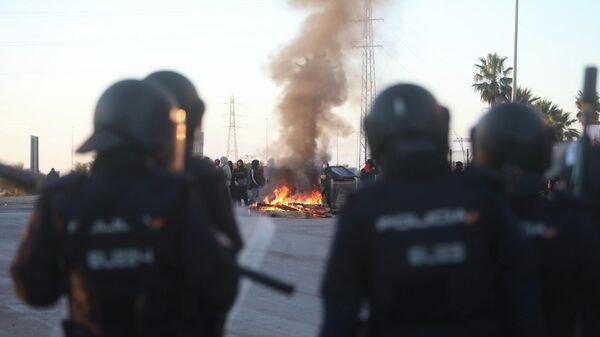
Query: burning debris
point(283, 203)
point(312, 72)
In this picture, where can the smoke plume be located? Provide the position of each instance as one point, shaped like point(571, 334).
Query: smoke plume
point(311, 68)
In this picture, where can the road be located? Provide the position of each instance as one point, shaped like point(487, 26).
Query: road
point(291, 249)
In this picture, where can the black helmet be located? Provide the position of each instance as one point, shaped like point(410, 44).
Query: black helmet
point(406, 120)
point(132, 113)
point(186, 95)
point(512, 135)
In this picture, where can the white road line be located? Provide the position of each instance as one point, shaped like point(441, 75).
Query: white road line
point(256, 248)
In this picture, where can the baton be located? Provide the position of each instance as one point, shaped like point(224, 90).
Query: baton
point(266, 280)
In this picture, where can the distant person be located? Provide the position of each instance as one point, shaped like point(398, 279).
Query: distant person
point(458, 167)
point(261, 169)
point(217, 163)
point(227, 174)
point(269, 170)
point(241, 180)
point(325, 179)
point(257, 181)
point(52, 176)
point(232, 190)
point(368, 173)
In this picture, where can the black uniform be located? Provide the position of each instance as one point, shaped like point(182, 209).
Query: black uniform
point(430, 262)
point(513, 139)
point(210, 185)
point(129, 247)
point(567, 251)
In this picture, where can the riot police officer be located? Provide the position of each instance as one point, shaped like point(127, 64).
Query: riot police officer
point(128, 245)
point(427, 261)
point(208, 180)
point(513, 140)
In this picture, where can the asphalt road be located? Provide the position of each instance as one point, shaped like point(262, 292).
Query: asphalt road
point(290, 249)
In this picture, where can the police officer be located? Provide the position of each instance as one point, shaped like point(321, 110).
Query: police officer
point(427, 260)
point(208, 180)
point(127, 245)
point(512, 139)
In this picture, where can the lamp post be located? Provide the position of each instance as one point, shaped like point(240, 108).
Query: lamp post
point(514, 81)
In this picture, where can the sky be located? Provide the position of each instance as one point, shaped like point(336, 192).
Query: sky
point(57, 57)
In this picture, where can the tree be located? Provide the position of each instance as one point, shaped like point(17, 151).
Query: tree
point(9, 188)
point(83, 167)
point(558, 119)
point(524, 96)
point(579, 104)
point(492, 80)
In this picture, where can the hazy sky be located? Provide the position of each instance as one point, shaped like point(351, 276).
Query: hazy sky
point(56, 58)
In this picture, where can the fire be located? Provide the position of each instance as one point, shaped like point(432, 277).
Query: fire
point(284, 203)
point(283, 196)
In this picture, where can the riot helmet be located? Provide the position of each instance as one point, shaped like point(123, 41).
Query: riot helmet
point(512, 136)
point(132, 114)
point(186, 95)
point(406, 121)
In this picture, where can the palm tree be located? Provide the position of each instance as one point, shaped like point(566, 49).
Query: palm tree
point(579, 104)
point(524, 96)
point(558, 119)
point(492, 80)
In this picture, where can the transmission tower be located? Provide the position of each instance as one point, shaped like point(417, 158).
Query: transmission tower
point(368, 78)
point(232, 130)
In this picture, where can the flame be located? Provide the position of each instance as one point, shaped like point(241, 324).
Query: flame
point(282, 200)
point(283, 196)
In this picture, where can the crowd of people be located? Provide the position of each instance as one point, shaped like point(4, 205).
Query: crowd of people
point(146, 245)
point(243, 182)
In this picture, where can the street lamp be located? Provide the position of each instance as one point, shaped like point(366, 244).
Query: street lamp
point(514, 82)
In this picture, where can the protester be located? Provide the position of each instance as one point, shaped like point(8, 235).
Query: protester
point(458, 167)
point(269, 170)
point(427, 261)
point(368, 173)
point(257, 181)
point(129, 245)
point(325, 178)
point(217, 163)
point(227, 175)
point(241, 180)
point(232, 189)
